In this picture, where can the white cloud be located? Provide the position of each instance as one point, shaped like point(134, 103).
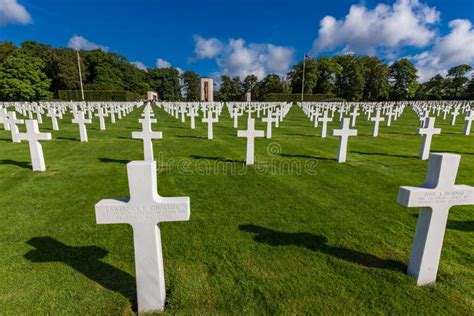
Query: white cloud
point(13, 12)
point(80, 43)
point(161, 63)
point(236, 58)
point(139, 65)
point(453, 49)
point(405, 23)
point(206, 48)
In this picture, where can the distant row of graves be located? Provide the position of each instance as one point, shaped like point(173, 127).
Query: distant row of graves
point(146, 209)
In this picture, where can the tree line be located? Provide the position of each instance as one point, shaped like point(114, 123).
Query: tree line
point(35, 71)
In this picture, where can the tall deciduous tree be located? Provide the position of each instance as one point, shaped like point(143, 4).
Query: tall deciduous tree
point(350, 82)
point(295, 76)
point(403, 79)
point(192, 85)
point(376, 85)
point(459, 79)
point(165, 81)
point(22, 78)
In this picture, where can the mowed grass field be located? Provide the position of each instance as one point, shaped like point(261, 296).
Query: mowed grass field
point(297, 233)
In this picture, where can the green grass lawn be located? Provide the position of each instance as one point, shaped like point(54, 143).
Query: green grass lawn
point(297, 233)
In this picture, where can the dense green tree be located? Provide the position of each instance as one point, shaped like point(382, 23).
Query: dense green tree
point(6, 48)
point(165, 81)
point(272, 83)
point(295, 76)
point(231, 89)
point(403, 79)
point(376, 85)
point(192, 85)
point(350, 81)
point(22, 78)
point(327, 70)
point(435, 88)
point(458, 79)
point(250, 84)
point(469, 92)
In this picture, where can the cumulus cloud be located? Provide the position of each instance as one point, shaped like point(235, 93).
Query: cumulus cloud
point(206, 48)
point(405, 23)
point(80, 43)
point(161, 63)
point(11, 12)
point(455, 48)
point(139, 65)
point(237, 58)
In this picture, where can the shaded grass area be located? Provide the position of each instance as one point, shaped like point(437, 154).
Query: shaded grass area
point(296, 233)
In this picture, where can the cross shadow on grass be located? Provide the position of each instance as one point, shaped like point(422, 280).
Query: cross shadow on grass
point(383, 154)
point(110, 160)
point(186, 136)
point(68, 138)
point(465, 226)
point(319, 243)
point(85, 260)
point(304, 156)
point(21, 164)
point(216, 159)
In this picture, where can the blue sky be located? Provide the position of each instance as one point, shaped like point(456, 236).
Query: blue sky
point(243, 37)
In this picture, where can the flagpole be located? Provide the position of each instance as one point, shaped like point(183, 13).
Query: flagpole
point(80, 74)
point(302, 82)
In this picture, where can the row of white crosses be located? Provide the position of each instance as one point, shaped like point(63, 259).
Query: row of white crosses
point(32, 135)
point(144, 211)
point(275, 112)
point(423, 110)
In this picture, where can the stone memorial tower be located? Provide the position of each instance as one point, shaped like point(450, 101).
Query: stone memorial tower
point(207, 90)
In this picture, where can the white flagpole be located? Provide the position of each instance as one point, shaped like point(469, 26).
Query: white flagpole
point(80, 74)
point(302, 82)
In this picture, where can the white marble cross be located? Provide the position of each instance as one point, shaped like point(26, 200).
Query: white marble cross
point(210, 120)
point(147, 135)
point(345, 132)
point(3, 116)
point(427, 132)
point(377, 119)
point(250, 134)
point(454, 116)
point(101, 116)
point(144, 211)
point(33, 136)
point(390, 114)
point(355, 113)
point(269, 120)
point(236, 114)
point(192, 114)
point(469, 118)
point(39, 111)
point(325, 119)
point(54, 118)
point(12, 121)
point(435, 197)
point(81, 121)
